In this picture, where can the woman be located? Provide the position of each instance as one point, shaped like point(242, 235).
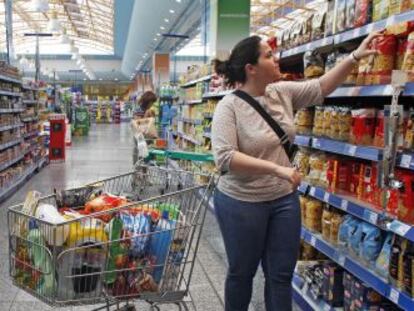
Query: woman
point(146, 102)
point(256, 203)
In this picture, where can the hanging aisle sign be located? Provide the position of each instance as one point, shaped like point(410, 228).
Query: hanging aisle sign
point(229, 23)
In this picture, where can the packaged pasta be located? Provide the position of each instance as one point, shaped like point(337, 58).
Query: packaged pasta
point(363, 126)
point(386, 47)
point(409, 132)
point(333, 131)
point(318, 121)
point(313, 220)
point(408, 61)
point(379, 130)
point(303, 200)
point(304, 121)
point(329, 20)
point(316, 166)
point(318, 22)
point(362, 13)
point(326, 222)
point(336, 221)
point(341, 15)
point(345, 122)
point(301, 161)
point(380, 10)
point(327, 119)
point(313, 64)
point(350, 14)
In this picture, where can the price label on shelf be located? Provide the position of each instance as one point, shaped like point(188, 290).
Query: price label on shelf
point(316, 143)
point(406, 160)
point(370, 28)
point(326, 197)
point(399, 228)
point(371, 217)
point(351, 150)
point(344, 205)
point(313, 241)
point(312, 191)
point(394, 296)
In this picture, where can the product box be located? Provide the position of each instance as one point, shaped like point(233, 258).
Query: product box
point(332, 287)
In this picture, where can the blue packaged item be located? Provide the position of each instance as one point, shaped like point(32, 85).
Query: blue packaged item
point(371, 243)
point(348, 225)
point(160, 244)
point(355, 238)
point(382, 264)
point(139, 227)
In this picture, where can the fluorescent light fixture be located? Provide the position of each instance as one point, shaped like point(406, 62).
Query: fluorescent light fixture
point(166, 20)
point(158, 34)
point(178, 1)
point(172, 11)
point(155, 39)
point(162, 27)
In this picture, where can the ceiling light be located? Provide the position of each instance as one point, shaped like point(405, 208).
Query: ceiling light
point(41, 6)
point(158, 34)
point(116, 79)
point(100, 79)
point(172, 11)
point(166, 20)
point(162, 27)
point(179, 1)
point(54, 24)
point(84, 79)
point(155, 39)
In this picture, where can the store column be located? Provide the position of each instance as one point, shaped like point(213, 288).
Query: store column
point(229, 23)
point(160, 69)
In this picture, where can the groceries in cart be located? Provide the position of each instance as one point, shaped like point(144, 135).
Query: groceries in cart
point(99, 242)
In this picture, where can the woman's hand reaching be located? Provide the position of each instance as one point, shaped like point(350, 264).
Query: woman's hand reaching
point(364, 48)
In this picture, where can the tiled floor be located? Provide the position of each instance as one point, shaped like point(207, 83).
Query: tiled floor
point(107, 151)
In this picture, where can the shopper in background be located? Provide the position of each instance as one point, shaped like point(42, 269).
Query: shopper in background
point(145, 116)
point(145, 103)
point(256, 202)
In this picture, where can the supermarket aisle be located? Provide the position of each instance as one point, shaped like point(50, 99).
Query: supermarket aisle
point(107, 152)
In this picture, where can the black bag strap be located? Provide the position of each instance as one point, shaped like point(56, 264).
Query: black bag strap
point(284, 138)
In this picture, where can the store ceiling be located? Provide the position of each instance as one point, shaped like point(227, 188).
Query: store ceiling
point(89, 22)
point(149, 21)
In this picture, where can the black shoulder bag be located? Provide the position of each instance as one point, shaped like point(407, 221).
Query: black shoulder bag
point(290, 149)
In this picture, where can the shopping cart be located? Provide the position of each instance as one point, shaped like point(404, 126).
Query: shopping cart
point(142, 250)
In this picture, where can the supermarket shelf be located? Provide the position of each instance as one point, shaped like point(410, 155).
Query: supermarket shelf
point(362, 210)
point(7, 93)
point(192, 121)
point(11, 162)
point(167, 98)
point(10, 144)
point(307, 47)
point(192, 102)
point(217, 95)
point(31, 134)
point(305, 301)
point(11, 110)
point(404, 159)
point(303, 140)
point(4, 193)
point(194, 82)
point(362, 152)
point(30, 101)
point(356, 268)
point(352, 206)
point(367, 29)
point(30, 119)
point(371, 90)
point(10, 127)
point(9, 79)
point(188, 138)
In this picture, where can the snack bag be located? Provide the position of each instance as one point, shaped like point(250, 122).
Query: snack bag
point(139, 228)
point(371, 243)
point(350, 14)
point(382, 263)
point(346, 229)
point(313, 215)
point(102, 203)
point(380, 10)
point(362, 13)
point(301, 161)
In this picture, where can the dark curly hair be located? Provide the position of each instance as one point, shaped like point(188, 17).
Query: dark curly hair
point(146, 100)
point(247, 51)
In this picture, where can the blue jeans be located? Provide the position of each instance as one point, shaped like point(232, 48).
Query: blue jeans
point(266, 232)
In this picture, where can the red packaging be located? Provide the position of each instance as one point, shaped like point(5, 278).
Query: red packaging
point(386, 46)
point(363, 126)
point(402, 47)
point(355, 171)
point(379, 130)
point(406, 196)
point(339, 175)
point(362, 13)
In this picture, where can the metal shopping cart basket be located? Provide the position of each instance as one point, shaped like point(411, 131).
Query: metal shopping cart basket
point(144, 249)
